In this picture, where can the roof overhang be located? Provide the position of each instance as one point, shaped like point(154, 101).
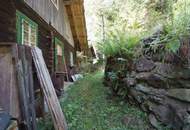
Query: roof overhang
point(75, 11)
point(69, 2)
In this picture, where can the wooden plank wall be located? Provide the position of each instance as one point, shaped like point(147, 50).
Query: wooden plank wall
point(56, 17)
point(7, 21)
point(46, 45)
point(9, 99)
point(16, 84)
point(26, 87)
point(8, 26)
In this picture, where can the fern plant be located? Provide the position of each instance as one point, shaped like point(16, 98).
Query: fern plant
point(119, 43)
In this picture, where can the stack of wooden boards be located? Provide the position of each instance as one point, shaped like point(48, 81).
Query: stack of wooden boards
point(17, 87)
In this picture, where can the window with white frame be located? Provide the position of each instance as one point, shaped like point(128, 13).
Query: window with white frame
point(59, 55)
point(71, 59)
point(27, 30)
point(56, 3)
point(29, 33)
point(59, 50)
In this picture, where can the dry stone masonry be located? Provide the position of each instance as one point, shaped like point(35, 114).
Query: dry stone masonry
point(158, 84)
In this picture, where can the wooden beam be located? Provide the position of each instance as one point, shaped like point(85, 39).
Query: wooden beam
point(48, 90)
point(69, 2)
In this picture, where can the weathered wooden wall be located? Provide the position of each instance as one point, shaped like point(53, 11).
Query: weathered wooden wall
point(9, 99)
point(7, 21)
point(56, 17)
point(45, 43)
point(46, 32)
point(46, 35)
point(25, 70)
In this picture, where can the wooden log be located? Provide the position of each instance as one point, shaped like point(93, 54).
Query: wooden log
point(48, 90)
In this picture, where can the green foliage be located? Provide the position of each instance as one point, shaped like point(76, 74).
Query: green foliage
point(88, 66)
point(157, 12)
point(173, 45)
point(119, 43)
point(178, 27)
point(45, 123)
point(181, 21)
point(137, 17)
point(87, 107)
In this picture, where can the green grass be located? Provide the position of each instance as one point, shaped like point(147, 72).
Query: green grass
point(88, 107)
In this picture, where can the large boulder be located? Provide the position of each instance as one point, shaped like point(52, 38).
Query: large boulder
point(144, 65)
point(154, 122)
point(163, 69)
point(130, 82)
point(153, 79)
point(180, 94)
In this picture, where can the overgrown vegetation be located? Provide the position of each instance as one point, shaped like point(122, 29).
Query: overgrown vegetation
point(88, 107)
point(127, 24)
point(45, 123)
point(116, 44)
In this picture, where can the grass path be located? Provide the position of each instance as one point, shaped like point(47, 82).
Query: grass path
point(88, 107)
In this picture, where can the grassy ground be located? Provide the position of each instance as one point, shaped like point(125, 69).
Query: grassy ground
point(88, 107)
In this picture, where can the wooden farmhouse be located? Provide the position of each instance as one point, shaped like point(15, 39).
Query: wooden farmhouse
point(58, 28)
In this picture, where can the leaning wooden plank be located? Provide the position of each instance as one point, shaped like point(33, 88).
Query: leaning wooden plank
point(48, 90)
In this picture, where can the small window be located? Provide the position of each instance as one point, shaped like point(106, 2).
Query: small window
point(59, 55)
point(56, 3)
point(59, 50)
point(26, 30)
point(71, 59)
point(29, 34)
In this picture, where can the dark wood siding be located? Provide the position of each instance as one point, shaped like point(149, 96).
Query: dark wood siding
point(9, 99)
point(56, 17)
point(7, 21)
point(46, 32)
point(45, 43)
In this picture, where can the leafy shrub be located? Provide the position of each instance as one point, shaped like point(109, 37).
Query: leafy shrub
point(119, 43)
point(176, 24)
point(177, 27)
point(89, 67)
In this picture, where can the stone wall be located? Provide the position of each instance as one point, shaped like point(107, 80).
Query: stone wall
point(159, 86)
